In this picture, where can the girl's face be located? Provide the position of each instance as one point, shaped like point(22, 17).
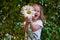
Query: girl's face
point(37, 12)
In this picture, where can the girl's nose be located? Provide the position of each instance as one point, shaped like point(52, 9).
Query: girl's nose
point(35, 12)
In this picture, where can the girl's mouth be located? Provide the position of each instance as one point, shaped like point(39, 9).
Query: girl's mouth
point(35, 15)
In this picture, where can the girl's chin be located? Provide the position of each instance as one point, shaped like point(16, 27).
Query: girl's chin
point(35, 18)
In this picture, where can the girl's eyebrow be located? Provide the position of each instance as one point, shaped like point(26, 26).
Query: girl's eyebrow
point(36, 10)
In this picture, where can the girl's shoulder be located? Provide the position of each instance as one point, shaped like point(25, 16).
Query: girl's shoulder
point(39, 22)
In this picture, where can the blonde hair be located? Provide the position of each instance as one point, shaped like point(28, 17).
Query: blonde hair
point(42, 17)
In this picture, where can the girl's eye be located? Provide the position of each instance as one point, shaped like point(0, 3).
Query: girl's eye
point(38, 11)
point(34, 10)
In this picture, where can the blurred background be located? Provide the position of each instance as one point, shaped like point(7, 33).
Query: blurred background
point(11, 19)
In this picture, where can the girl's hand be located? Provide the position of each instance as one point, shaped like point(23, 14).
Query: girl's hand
point(30, 20)
point(26, 19)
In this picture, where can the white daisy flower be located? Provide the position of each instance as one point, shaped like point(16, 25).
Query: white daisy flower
point(28, 11)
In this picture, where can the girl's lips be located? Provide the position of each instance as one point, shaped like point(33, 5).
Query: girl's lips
point(35, 15)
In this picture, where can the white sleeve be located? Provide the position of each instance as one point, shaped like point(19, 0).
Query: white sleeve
point(39, 22)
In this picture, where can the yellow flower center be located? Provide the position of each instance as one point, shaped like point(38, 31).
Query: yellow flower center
point(28, 12)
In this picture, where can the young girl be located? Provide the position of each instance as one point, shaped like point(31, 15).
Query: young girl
point(36, 22)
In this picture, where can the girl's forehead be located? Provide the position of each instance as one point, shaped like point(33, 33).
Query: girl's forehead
point(36, 7)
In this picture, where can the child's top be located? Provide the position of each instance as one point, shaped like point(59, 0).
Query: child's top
point(38, 32)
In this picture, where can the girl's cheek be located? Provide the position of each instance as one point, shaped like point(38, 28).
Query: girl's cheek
point(38, 13)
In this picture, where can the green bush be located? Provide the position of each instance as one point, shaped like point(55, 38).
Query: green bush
point(11, 19)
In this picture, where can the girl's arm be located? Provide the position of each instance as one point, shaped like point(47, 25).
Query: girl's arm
point(25, 24)
point(25, 28)
point(35, 27)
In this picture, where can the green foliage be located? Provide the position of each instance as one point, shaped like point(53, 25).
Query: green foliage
point(11, 19)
